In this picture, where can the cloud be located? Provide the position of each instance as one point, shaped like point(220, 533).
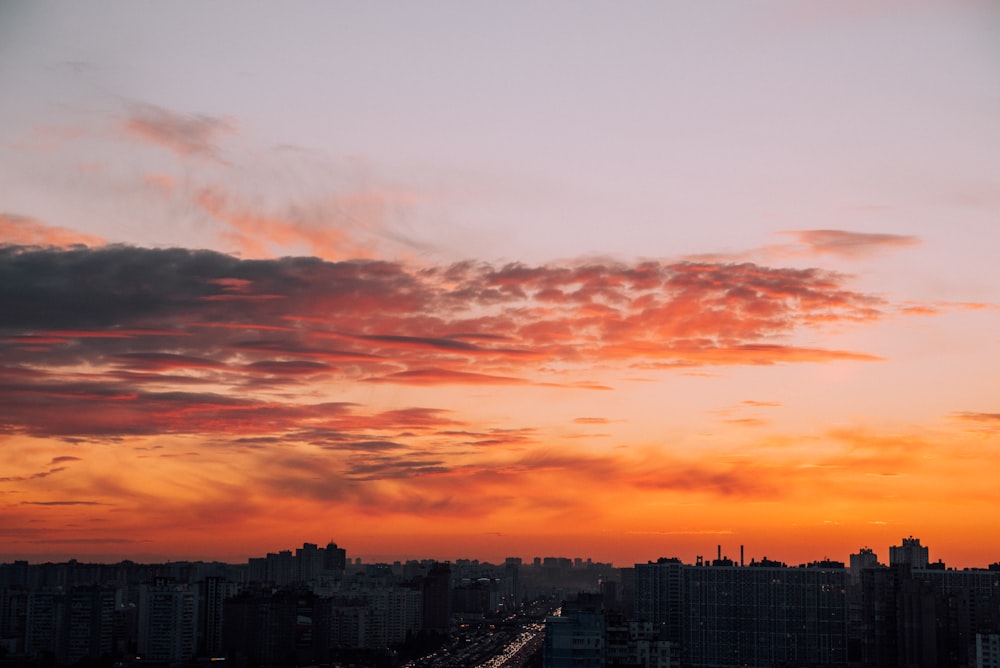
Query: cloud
point(446, 377)
point(121, 341)
point(983, 422)
point(332, 226)
point(24, 231)
point(33, 476)
point(591, 420)
point(985, 418)
point(62, 503)
point(184, 134)
point(851, 245)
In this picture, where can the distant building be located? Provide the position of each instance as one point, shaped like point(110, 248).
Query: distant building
point(865, 558)
point(168, 621)
point(436, 587)
point(764, 616)
point(911, 552)
point(659, 598)
point(576, 637)
point(212, 593)
point(70, 626)
point(334, 558)
point(91, 623)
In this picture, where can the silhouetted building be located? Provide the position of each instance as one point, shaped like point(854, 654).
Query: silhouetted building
point(659, 595)
point(764, 616)
point(865, 558)
point(927, 617)
point(259, 627)
point(168, 622)
point(13, 615)
point(91, 623)
point(212, 593)
point(436, 589)
point(334, 558)
point(911, 552)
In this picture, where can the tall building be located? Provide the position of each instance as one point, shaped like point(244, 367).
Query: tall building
point(212, 593)
point(911, 552)
point(764, 616)
point(865, 558)
point(90, 620)
point(576, 636)
point(168, 621)
point(44, 622)
point(308, 562)
point(436, 589)
point(261, 627)
point(659, 589)
point(334, 558)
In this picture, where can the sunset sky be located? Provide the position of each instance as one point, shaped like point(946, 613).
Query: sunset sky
point(450, 279)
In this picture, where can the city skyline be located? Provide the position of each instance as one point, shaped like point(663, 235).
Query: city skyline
point(614, 281)
point(910, 551)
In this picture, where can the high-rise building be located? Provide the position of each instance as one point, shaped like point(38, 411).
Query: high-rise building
point(90, 620)
point(436, 589)
point(212, 593)
point(659, 589)
point(44, 622)
point(168, 621)
point(334, 558)
point(765, 616)
point(865, 558)
point(911, 552)
point(308, 562)
point(576, 636)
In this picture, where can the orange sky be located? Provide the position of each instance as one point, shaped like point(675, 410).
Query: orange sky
point(189, 403)
point(500, 291)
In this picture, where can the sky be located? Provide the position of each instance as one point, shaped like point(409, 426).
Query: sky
point(475, 280)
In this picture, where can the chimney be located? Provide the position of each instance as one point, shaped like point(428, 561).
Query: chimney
point(741, 555)
point(719, 555)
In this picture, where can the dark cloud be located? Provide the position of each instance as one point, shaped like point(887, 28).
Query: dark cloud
point(295, 367)
point(62, 503)
point(151, 325)
point(444, 344)
point(986, 418)
point(34, 476)
point(446, 377)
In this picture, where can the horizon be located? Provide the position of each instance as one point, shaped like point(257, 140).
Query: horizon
point(615, 280)
point(390, 558)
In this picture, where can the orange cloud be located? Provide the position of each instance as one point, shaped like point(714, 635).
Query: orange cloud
point(306, 387)
point(331, 228)
point(24, 231)
point(191, 134)
point(850, 244)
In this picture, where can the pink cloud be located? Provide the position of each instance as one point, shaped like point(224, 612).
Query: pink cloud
point(21, 230)
point(191, 134)
point(847, 244)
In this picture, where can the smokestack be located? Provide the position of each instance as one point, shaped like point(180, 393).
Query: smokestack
point(741, 555)
point(719, 556)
